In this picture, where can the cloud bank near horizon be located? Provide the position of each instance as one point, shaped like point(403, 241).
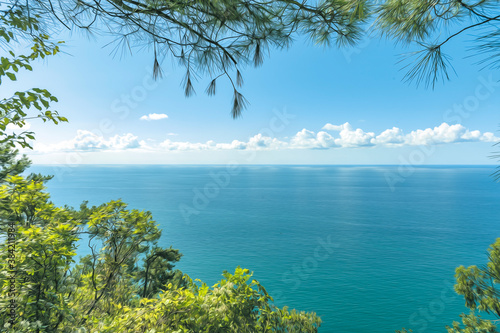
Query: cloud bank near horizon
point(329, 137)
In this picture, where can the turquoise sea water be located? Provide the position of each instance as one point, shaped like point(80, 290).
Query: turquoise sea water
point(369, 249)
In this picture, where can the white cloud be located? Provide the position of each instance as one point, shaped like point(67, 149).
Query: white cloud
point(127, 141)
point(330, 127)
point(306, 139)
point(445, 133)
point(347, 137)
point(257, 142)
point(354, 138)
point(88, 141)
point(172, 145)
point(154, 116)
point(393, 136)
point(234, 145)
point(488, 137)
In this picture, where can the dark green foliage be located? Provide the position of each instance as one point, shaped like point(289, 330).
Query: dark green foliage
point(157, 271)
point(50, 291)
point(219, 38)
point(9, 164)
point(479, 286)
point(472, 324)
point(126, 284)
point(212, 38)
point(426, 23)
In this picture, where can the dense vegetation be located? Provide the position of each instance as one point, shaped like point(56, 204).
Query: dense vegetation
point(128, 283)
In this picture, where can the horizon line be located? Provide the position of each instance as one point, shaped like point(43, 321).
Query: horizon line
point(259, 164)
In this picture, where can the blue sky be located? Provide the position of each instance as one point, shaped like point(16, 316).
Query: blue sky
point(308, 105)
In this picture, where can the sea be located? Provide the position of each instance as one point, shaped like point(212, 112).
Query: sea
point(368, 248)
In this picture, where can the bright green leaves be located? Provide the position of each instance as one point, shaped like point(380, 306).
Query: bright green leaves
point(110, 278)
point(6, 35)
point(14, 111)
point(126, 283)
point(24, 201)
point(479, 286)
point(473, 324)
point(11, 76)
point(50, 289)
point(43, 250)
point(119, 228)
point(123, 235)
point(235, 304)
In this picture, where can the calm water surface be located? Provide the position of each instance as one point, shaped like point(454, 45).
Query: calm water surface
point(335, 240)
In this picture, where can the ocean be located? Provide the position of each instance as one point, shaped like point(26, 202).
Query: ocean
point(368, 248)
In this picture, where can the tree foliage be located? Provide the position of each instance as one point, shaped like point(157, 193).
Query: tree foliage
point(15, 111)
point(480, 288)
point(52, 293)
point(126, 284)
point(218, 39)
point(10, 164)
point(210, 38)
point(472, 324)
point(235, 304)
point(431, 24)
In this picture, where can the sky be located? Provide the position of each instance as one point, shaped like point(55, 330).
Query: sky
point(307, 105)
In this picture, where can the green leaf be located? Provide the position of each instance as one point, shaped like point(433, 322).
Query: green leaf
point(44, 102)
point(11, 76)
